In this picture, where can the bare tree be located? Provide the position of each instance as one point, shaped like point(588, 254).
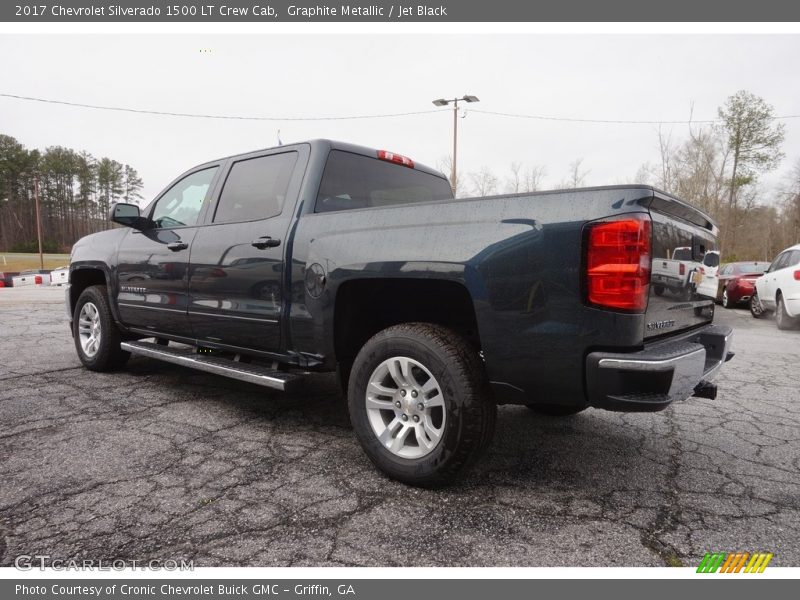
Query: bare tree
point(525, 179)
point(576, 177)
point(484, 182)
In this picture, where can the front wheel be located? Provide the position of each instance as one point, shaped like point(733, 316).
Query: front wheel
point(97, 338)
point(420, 404)
point(755, 306)
point(782, 319)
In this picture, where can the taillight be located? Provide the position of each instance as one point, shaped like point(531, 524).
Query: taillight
point(37, 280)
point(396, 158)
point(797, 275)
point(618, 263)
point(681, 269)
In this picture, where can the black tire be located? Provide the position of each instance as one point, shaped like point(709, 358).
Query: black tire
point(782, 320)
point(755, 306)
point(468, 407)
point(726, 303)
point(108, 356)
point(556, 410)
point(658, 290)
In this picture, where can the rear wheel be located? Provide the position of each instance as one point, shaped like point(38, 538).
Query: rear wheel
point(783, 320)
point(755, 306)
point(420, 404)
point(556, 410)
point(97, 338)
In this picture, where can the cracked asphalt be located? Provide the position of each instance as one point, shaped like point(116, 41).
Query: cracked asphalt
point(160, 462)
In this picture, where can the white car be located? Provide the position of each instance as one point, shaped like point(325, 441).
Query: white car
point(710, 275)
point(778, 290)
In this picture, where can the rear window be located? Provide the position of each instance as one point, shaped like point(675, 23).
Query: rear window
point(355, 181)
point(711, 259)
point(682, 254)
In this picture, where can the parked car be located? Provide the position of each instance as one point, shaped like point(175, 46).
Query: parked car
point(709, 275)
point(32, 277)
point(778, 290)
point(324, 256)
point(737, 282)
point(59, 276)
point(7, 278)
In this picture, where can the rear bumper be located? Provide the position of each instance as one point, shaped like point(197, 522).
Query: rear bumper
point(665, 371)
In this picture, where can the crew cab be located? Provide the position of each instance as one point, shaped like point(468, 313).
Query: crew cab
point(321, 256)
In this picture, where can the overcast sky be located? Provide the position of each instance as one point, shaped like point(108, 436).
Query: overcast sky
point(579, 76)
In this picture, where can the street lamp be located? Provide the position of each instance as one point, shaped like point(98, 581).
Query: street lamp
point(454, 101)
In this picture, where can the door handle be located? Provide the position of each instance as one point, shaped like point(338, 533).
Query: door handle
point(175, 246)
point(265, 242)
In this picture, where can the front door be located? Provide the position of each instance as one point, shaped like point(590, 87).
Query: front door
point(237, 265)
point(153, 265)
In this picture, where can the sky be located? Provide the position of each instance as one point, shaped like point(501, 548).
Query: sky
point(592, 76)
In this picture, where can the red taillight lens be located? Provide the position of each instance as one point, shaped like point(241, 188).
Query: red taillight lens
point(618, 263)
point(682, 268)
point(396, 158)
point(37, 280)
point(797, 275)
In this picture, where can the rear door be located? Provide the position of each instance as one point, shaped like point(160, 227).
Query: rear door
point(769, 283)
point(152, 265)
point(236, 283)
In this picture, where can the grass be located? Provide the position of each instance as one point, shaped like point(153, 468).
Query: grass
point(23, 262)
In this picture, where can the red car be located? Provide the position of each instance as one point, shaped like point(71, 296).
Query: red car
point(736, 282)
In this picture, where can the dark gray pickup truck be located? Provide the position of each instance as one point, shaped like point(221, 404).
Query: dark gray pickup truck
point(324, 256)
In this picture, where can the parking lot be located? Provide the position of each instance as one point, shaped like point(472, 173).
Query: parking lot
point(160, 462)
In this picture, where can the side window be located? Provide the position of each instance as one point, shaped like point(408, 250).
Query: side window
point(780, 262)
point(255, 188)
point(794, 258)
point(181, 204)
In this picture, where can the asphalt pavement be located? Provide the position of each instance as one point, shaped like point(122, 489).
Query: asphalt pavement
point(160, 462)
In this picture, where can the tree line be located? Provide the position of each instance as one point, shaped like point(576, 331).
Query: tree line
point(717, 167)
point(76, 191)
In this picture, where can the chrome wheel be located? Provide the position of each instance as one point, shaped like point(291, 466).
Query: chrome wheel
point(89, 329)
point(405, 407)
point(725, 300)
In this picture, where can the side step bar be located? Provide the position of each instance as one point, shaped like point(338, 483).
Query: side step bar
point(257, 374)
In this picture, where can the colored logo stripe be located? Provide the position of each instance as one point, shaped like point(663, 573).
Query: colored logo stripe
point(734, 562)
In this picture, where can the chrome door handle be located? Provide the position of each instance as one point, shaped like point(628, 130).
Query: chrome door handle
point(175, 246)
point(265, 242)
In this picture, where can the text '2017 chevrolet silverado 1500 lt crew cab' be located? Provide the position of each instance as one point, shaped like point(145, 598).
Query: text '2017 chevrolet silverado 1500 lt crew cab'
point(324, 256)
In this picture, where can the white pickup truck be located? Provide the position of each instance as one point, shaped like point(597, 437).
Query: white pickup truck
point(33, 277)
point(679, 274)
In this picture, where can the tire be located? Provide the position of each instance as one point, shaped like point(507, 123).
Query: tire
point(556, 410)
point(429, 446)
point(782, 320)
point(726, 302)
point(658, 290)
point(92, 317)
point(755, 306)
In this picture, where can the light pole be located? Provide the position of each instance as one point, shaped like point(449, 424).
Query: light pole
point(454, 101)
point(38, 218)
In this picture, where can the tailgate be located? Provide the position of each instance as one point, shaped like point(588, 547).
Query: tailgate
point(675, 305)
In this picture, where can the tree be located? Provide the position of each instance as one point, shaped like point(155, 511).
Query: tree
point(484, 182)
point(132, 185)
point(575, 177)
point(754, 138)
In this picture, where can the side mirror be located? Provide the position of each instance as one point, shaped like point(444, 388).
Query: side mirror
point(127, 215)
